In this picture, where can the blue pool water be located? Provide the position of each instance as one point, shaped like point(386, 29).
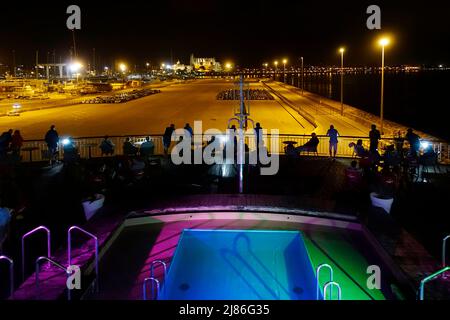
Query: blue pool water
point(240, 265)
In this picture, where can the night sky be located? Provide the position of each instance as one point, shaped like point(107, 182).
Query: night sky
point(246, 32)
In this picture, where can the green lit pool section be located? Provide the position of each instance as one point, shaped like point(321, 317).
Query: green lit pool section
point(240, 265)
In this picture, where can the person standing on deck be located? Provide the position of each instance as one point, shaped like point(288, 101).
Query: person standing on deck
point(374, 137)
point(52, 139)
point(414, 142)
point(167, 137)
point(333, 134)
point(259, 139)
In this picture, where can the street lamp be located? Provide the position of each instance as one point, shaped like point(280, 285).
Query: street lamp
point(302, 73)
point(383, 42)
point(75, 67)
point(276, 67)
point(122, 67)
point(284, 70)
point(342, 50)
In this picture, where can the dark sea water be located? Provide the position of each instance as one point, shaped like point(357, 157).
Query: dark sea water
point(416, 99)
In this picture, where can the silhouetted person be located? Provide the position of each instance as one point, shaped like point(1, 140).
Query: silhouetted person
point(189, 129)
point(167, 137)
point(414, 141)
point(5, 141)
point(374, 137)
point(147, 148)
point(107, 146)
point(311, 145)
point(333, 134)
point(128, 148)
point(259, 139)
point(16, 143)
point(52, 139)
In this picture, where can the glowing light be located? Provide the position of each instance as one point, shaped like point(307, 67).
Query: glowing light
point(384, 42)
point(424, 145)
point(275, 63)
point(65, 141)
point(284, 61)
point(228, 65)
point(341, 50)
point(75, 67)
point(16, 106)
point(123, 67)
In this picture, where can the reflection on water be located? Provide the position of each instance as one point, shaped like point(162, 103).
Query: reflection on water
point(415, 99)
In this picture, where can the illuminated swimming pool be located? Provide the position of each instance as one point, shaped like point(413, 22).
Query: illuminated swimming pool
point(240, 264)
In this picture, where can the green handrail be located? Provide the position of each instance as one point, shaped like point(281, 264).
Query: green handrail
point(430, 277)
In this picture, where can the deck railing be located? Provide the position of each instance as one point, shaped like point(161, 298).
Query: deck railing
point(36, 150)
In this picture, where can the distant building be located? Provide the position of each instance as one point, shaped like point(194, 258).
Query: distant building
point(4, 69)
point(181, 67)
point(205, 64)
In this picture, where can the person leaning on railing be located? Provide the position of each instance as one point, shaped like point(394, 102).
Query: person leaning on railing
point(107, 146)
point(129, 149)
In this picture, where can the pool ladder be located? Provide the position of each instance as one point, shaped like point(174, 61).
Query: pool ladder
point(11, 274)
point(153, 280)
point(49, 259)
point(442, 271)
point(330, 284)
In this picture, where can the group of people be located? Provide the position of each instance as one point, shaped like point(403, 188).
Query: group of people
point(11, 141)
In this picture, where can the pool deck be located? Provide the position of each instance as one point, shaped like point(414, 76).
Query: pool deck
point(405, 251)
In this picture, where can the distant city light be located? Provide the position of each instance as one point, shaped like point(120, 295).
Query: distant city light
point(106, 68)
point(284, 61)
point(228, 66)
point(123, 67)
point(440, 66)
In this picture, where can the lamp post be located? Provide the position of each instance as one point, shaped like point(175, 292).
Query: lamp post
point(302, 74)
point(382, 42)
point(284, 70)
point(342, 50)
point(276, 68)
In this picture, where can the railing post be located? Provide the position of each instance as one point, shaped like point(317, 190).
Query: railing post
point(430, 277)
point(323, 265)
point(23, 245)
point(144, 288)
point(331, 284)
point(444, 252)
point(58, 265)
point(11, 274)
point(69, 251)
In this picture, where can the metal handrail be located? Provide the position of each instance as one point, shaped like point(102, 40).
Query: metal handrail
point(332, 283)
point(444, 250)
point(58, 265)
point(11, 274)
point(23, 245)
point(323, 265)
point(430, 277)
point(144, 288)
point(69, 250)
point(152, 268)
